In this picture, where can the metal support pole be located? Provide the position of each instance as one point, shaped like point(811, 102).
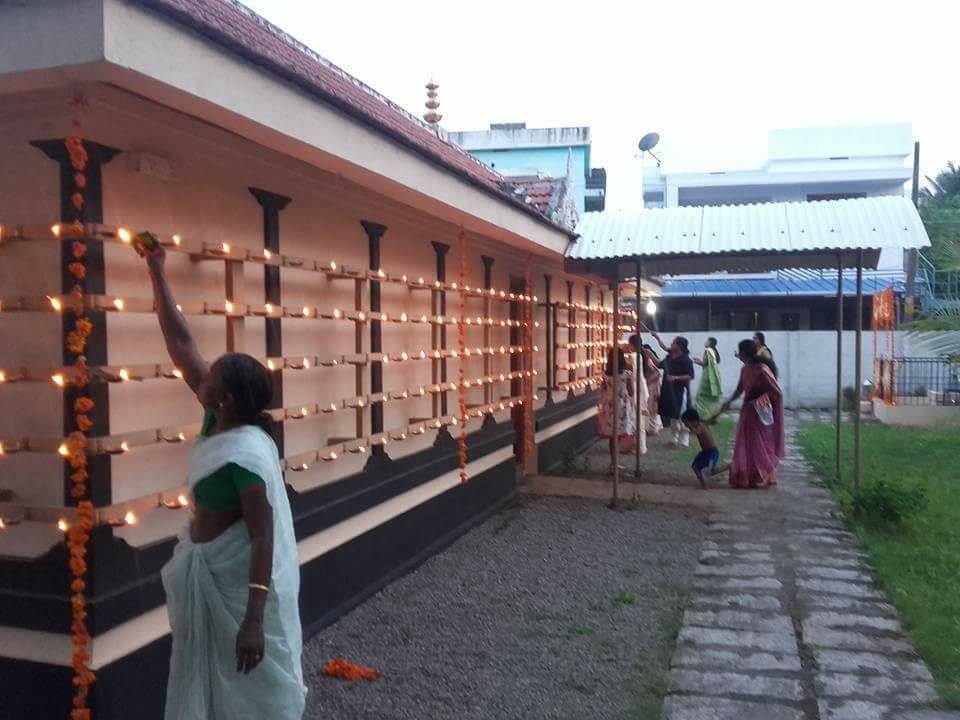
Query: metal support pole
point(638, 370)
point(837, 472)
point(859, 382)
point(615, 383)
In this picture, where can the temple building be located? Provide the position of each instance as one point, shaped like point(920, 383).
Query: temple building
point(401, 291)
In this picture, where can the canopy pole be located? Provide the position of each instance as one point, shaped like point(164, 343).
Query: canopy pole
point(638, 371)
point(615, 383)
point(859, 381)
point(837, 472)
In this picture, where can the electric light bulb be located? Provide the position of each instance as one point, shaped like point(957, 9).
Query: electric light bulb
point(651, 308)
point(225, 247)
point(423, 356)
point(130, 518)
point(361, 316)
point(119, 304)
point(62, 525)
point(124, 447)
point(58, 380)
point(404, 356)
point(55, 303)
point(182, 500)
point(403, 317)
point(63, 450)
point(337, 314)
point(332, 455)
point(267, 254)
point(124, 374)
point(176, 240)
point(381, 274)
point(228, 306)
point(268, 308)
point(420, 281)
point(178, 373)
point(333, 265)
point(306, 311)
point(123, 234)
point(423, 318)
point(306, 363)
point(55, 229)
point(403, 278)
point(3, 376)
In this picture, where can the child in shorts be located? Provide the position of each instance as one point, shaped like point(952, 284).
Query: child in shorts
point(705, 463)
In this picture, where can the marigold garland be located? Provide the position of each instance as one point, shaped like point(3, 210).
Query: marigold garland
point(346, 670)
point(78, 535)
point(462, 344)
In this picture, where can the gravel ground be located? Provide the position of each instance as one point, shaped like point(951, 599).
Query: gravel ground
point(550, 609)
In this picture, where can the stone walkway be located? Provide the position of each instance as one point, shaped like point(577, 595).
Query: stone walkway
point(784, 623)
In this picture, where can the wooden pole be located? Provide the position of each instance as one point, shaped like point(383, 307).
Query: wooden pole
point(615, 383)
point(236, 342)
point(638, 370)
point(859, 382)
point(836, 451)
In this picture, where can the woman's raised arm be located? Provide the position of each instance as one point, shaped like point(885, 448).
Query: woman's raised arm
point(176, 333)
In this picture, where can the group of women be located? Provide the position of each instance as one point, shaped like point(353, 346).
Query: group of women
point(661, 387)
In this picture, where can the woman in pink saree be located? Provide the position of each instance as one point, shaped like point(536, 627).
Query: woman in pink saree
point(758, 445)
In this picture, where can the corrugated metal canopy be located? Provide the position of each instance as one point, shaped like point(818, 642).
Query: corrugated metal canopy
point(746, 238)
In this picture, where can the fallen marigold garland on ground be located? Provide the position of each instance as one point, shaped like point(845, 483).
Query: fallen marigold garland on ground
point(346, 670)
point(78, 534)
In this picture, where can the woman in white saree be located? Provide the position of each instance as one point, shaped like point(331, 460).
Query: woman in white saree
point(233, 582)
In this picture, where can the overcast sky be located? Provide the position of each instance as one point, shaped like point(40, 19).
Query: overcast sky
point(711, 77)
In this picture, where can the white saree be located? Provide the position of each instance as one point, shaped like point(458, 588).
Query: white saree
point(206, 587)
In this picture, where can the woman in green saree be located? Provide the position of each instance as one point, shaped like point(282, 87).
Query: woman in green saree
point(710, 393)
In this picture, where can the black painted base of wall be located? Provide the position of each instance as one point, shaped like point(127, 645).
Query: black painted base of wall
point(331, 585)
point(572, 441)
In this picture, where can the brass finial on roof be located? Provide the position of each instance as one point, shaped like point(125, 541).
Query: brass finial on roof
point(432, 115)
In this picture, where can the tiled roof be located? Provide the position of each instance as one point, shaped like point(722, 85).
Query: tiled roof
point(539, 191)
point(242, 31)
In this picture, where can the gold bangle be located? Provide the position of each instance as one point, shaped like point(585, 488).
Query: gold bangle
point(258, 586)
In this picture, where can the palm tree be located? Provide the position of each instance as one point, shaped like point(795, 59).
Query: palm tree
point(944, 191)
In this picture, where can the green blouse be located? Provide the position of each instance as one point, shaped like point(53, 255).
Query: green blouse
point(221, 489)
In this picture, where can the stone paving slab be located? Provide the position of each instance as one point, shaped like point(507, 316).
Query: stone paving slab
point(680, 707)
point(784, 621)
point(845, 685)
point(687, 656)
point(735, 600)
point(728, 683)
point(739, 620)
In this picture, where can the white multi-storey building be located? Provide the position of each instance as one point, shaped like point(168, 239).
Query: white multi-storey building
point(824, 163)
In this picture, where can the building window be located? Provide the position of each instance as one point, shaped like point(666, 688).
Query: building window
point(744, 320)
point(823, 319)
point(691, 320)
point(653, 196)
point(790, 321)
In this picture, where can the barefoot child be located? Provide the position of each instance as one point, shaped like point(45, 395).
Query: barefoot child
point(709, 456)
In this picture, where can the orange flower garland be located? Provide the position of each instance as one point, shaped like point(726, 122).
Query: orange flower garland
point(78, 535)
point(346, 670)
point(462, 344)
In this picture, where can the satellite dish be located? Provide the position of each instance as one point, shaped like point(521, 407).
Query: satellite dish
point(649, 141)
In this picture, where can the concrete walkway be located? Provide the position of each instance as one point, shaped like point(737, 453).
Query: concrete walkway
point(784, 622)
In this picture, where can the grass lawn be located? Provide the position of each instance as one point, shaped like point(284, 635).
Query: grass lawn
point(918, 563)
